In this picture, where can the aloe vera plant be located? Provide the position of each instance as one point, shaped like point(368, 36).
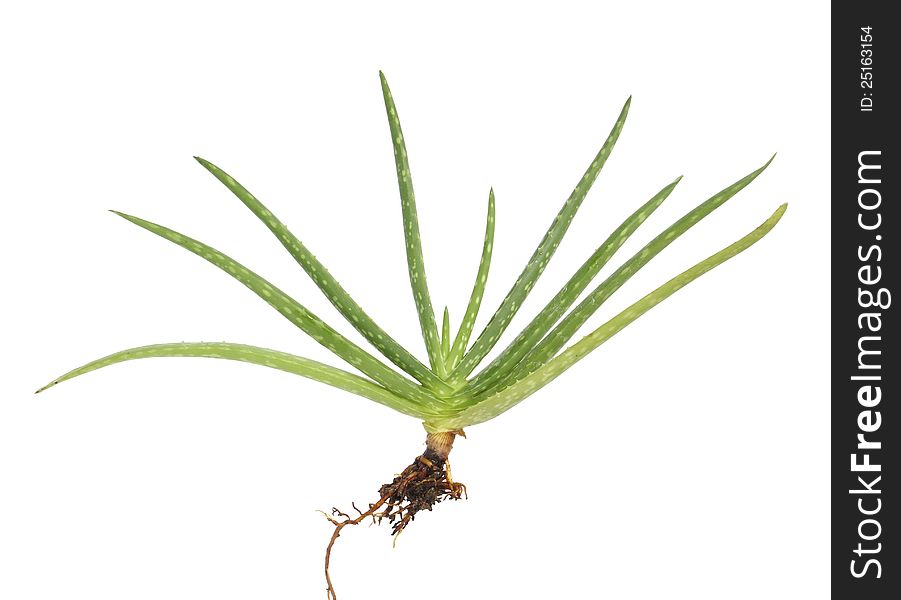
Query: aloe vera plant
point(448, 392)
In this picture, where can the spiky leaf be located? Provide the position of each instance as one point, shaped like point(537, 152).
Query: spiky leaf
point(274, 359)
point(445, 337)
point(415, 263)
point(478, 289)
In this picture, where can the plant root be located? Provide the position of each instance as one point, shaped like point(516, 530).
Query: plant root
point(423, 484)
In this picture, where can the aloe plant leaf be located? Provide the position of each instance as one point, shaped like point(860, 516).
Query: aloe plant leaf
point(502, 401)
point(478, 289)
point(294, 312)
point(568, 327)
point(445, 336)
point(559, 304)
point(543, 253)
point(275, 359)
point(415, 264)
point(329, 286)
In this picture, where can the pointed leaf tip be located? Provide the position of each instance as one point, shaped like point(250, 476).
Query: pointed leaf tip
point(46, 387)
point(208, 166)
point(128, 217)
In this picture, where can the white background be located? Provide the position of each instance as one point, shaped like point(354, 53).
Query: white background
point(686, 458)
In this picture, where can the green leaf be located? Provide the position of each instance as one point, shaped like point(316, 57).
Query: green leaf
point(502, 401)
point(478, 289)
point(568, 327)
point(535, 267)
point(294, 312)
point(282, 361)
point(559, 304)
point(445, 337)
point(330, 287)
point(415, 264)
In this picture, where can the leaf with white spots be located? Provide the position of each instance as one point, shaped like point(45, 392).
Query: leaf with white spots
point(535, 267)
point(568, 327)
point(415, 264)
point(504, 400)
point(274, 359)
point(294, 312)
point(445, 336)
point(560, 303)
point(478, 289)
point(333, 290)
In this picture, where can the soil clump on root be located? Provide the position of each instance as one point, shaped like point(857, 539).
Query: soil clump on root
point(422, 485)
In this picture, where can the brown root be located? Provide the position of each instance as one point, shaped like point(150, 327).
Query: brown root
point(423, 484)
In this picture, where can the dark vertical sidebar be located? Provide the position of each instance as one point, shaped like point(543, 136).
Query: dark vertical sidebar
point(866, 367)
